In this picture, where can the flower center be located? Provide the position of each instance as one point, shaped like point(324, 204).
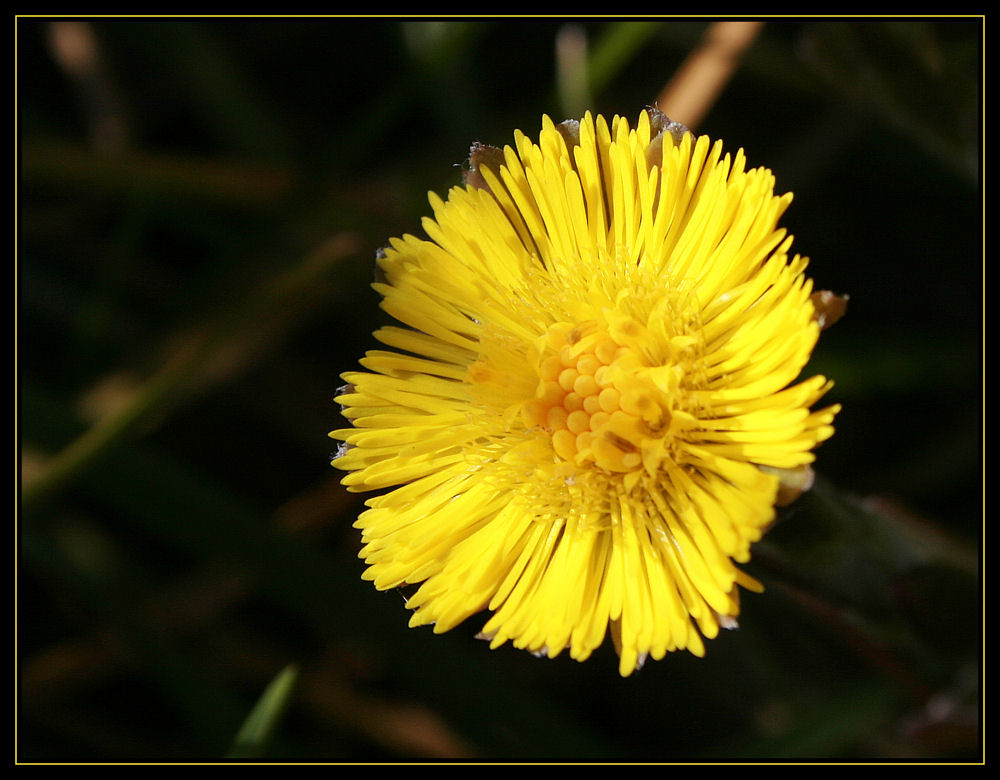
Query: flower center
point(601, 396)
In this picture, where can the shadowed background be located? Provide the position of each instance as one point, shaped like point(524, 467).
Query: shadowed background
point(200, 203)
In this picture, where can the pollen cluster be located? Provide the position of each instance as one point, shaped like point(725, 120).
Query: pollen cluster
point(599, 399)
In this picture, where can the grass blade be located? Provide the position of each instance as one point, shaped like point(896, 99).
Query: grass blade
point(254, 736)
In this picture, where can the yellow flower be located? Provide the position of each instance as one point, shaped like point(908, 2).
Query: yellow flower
point(581, 425)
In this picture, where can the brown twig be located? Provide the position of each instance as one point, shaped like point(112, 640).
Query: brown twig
point(697, 84)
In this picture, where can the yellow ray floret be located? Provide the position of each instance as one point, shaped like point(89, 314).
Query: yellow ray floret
point(596, 376)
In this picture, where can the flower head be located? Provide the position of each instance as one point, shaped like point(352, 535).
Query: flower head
point(581, 425)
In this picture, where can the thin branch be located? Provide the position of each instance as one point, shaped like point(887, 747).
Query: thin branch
point(701, 78)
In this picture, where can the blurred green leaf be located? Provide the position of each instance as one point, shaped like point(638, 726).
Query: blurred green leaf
point(851, 553)
point(254, 737)
point(617, 45)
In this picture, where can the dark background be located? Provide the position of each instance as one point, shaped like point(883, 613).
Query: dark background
point(198, 209)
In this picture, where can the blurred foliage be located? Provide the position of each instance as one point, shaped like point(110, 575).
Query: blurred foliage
point(199, 206)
